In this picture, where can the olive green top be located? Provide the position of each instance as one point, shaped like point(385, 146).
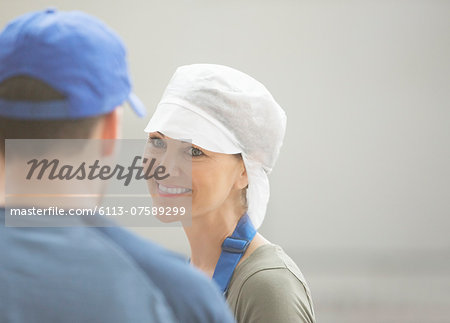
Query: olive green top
point(269, 287)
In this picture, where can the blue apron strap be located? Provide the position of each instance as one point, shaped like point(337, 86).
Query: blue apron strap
point(233, 248)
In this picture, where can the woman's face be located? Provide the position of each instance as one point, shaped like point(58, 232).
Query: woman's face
point(217, 179)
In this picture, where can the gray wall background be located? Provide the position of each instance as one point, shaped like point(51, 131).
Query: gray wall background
point(361, 192)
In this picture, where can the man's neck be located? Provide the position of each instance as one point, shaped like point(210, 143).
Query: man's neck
point(64, 193)
point(2, 182)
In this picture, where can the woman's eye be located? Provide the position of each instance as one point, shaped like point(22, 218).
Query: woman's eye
point(157, 142)
point(195, 152)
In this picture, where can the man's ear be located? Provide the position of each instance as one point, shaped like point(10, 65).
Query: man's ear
point(111, 124)
point(111, 130)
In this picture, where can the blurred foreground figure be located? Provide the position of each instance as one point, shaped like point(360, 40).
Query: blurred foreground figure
point(64, 75)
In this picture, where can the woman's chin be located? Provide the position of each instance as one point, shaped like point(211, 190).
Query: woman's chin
point(173, 212)
point(169, 218)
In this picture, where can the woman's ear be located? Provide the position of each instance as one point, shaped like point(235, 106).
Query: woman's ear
point(242, 180)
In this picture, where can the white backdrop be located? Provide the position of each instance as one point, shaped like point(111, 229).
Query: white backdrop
point(361, 192)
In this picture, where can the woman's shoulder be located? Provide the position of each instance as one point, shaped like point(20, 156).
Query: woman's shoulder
point(271, 258)
point(267, 277)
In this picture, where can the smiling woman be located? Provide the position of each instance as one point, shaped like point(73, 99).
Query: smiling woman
point(211, 174)
point(236, 129)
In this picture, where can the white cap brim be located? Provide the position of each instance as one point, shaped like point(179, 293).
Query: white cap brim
point(180, 123)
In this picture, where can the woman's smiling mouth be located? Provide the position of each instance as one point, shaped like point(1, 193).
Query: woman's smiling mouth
point(171, 191)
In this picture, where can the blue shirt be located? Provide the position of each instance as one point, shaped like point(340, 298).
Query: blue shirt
point(105, 274)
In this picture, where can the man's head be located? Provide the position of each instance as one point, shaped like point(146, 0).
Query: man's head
point(62, 75)
point(27, 89)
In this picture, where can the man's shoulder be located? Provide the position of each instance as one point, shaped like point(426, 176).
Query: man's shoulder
point(48, 264)
point(192, 295)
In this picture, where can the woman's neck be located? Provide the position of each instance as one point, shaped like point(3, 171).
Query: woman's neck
point(206, 235)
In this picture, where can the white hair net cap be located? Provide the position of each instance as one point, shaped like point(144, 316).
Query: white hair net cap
point(226, 111)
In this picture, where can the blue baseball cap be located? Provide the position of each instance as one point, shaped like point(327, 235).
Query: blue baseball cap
point(74, 53)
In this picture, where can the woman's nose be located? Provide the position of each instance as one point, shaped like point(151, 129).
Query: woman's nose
point(171, 161)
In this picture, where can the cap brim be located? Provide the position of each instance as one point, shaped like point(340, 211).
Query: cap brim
point(137, 105)
point(180, 123)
